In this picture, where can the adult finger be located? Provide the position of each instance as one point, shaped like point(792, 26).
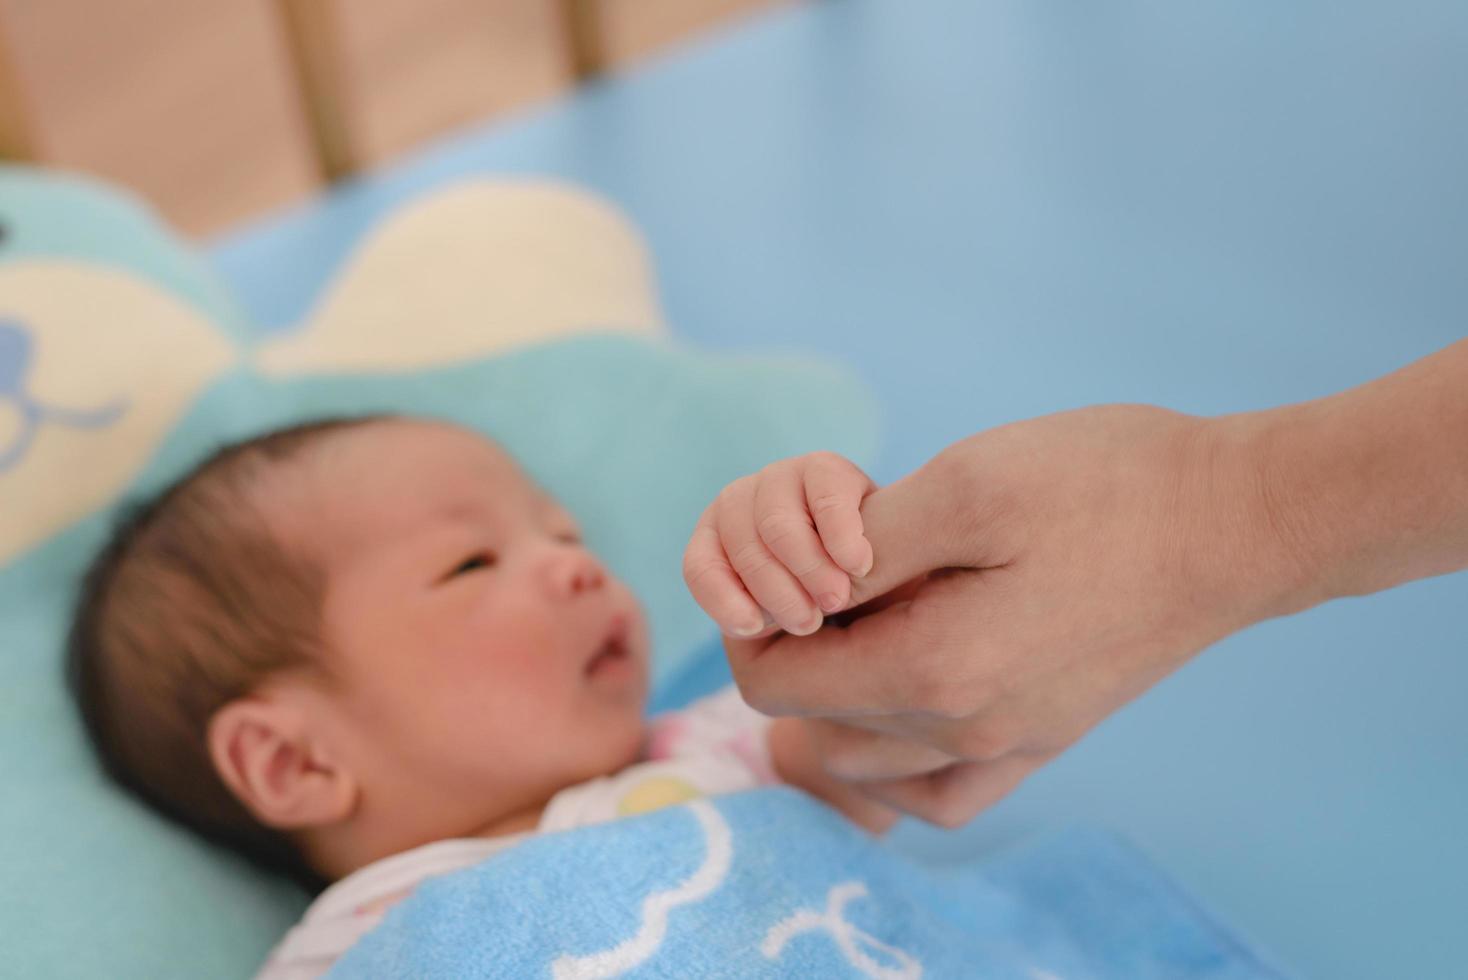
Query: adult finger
point(917, 525)
point(918, 659)
point(858, 754)
point(951, 797)
point(858, 669)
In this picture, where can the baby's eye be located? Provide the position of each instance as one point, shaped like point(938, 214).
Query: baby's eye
point(569, 537)
point(476, 561)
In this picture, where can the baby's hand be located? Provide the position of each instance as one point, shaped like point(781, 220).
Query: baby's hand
point(785, 540)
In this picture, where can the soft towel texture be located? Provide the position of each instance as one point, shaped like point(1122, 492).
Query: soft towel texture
point(772, 884)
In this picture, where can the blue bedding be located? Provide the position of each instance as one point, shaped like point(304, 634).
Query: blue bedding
point(772, 884)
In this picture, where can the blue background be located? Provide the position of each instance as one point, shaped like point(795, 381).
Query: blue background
point(995, 210)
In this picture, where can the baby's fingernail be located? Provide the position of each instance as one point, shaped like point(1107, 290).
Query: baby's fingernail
point(830, 601)
point(809, 626)
point(747, 628)
point(754, 624)
point(866, 566)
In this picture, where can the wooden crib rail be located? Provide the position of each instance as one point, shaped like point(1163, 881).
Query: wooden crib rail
point(220, 110)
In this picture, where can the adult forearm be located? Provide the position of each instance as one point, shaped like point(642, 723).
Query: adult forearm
point(1368, 488)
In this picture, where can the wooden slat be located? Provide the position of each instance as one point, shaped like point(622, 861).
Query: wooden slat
point(384, 75)
point(192, 103)
point(618, 33)
point(17, 135)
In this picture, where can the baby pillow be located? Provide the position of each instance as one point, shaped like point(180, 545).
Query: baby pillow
point(523, 309)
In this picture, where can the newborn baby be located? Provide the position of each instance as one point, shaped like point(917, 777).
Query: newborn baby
point(366, 652)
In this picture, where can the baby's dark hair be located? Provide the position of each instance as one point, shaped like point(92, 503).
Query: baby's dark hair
point(194, 602)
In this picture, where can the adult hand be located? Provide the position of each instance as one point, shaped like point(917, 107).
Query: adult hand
point(1031, 579)
point(1047, 572)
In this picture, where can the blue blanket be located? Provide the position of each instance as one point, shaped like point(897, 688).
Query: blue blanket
point(772, 884)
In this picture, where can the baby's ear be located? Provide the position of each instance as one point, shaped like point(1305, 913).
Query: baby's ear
point(274, 763)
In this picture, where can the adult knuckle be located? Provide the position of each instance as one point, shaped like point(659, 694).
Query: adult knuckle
point(948, 700)
point(843, 753)
point(949, 816)
point(986, 741)
point(840, 762)
point(933, 692)
point(844, 768)
point(966, 683)
point(963, 499)
point(757, 697)
point(980, 691)
point(947, 807)
point(952, 471)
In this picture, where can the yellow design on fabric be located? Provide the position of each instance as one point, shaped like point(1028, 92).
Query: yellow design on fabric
point(654, 794)
point(98, 366)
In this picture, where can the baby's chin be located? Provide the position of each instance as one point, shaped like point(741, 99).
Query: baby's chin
point(620, 746)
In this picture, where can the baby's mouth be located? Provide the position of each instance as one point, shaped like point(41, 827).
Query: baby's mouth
point(613, 650)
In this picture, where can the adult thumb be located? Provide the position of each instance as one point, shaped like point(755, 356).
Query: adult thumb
point(919, 524)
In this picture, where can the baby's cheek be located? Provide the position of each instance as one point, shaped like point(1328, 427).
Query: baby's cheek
point(520, 675)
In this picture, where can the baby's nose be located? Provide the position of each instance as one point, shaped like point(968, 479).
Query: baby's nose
point(573, 572)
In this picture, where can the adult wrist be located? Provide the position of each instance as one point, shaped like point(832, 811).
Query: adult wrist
point(1274, 520)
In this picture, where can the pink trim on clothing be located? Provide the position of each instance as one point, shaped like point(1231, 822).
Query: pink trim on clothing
point(749, 745)
point(667, 732)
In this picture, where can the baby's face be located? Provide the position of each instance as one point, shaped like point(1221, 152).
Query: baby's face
point(485, 658)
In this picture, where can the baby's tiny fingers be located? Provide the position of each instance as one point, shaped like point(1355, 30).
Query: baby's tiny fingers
point(715, 585)
point(786, 529)
point(834, 490)
point(766, 578)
